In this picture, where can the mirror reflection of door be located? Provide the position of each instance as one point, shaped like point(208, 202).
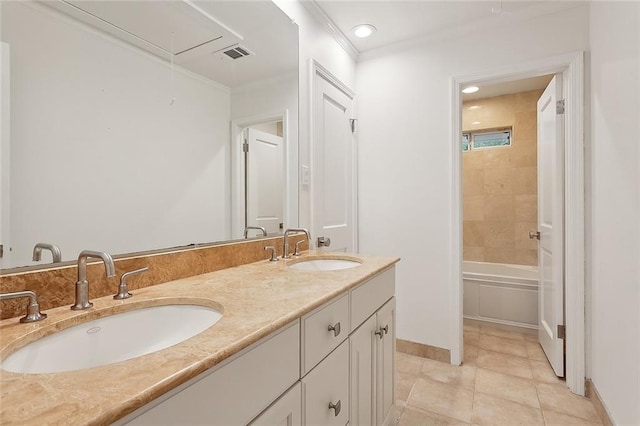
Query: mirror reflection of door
point(264, 177)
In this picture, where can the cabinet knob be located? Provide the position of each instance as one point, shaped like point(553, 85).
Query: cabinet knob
point(383, 330)
point(335, 407)
point(335, 329)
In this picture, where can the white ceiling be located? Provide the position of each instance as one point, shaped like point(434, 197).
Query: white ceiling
point(400, 20)
point(516, 86)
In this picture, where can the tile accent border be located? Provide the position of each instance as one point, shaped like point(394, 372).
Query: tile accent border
point(425, 351)
point(594, 396)
point(55, 286)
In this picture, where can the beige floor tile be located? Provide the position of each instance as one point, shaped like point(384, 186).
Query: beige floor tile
point(503, 363)
point(508, 387)
point(464, 376)
point(493, 331)
point(404, 384)
point(531, 337)
point(410, 364)
point(500, 344)
point(553, 418)
point(488, 410)
point(560, 399)
point(413, 416)
point(542, 372)
point(471, 338)
point(471, 327)
point(441, 398)
point(534, 351)
point(470, 355)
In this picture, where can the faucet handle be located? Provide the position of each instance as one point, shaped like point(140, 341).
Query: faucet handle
point(297, 250)
point(123, 288)
point(274, 256)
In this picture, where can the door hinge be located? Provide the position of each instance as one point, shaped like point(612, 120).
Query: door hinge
point(562, 332)
point(560, 107)
point(245, 147)
point(352, 124)
point(1, 250)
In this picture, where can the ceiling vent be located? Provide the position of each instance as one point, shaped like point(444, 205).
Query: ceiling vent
point(237, 52)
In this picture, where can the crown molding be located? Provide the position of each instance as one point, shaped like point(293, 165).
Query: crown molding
point(331, 28)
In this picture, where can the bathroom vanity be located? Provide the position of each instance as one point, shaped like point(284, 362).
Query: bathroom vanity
point(292, 346)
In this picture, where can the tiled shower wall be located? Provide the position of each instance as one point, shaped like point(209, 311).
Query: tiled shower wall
point(500, 184)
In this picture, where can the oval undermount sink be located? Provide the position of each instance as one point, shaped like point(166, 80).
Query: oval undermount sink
point(324, 264)
point(112, 339)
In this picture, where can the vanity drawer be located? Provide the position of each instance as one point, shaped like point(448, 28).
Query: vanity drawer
point(327, 384)
point(370, 295)
point(322, 332)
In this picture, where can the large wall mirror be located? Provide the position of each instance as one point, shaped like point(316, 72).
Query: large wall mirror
point(131, 126)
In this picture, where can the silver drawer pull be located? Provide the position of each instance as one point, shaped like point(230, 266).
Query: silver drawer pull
point(383, 330)
point(335, 329)
point(336, 407)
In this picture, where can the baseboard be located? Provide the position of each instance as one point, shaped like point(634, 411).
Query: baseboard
point(424, 351)
point(506, 327)
point(594, 396)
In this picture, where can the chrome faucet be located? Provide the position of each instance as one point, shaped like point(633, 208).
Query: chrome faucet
point(54, 249)
point(285, 254)
point(257, 228)
point(82, 285)
point(33, 308)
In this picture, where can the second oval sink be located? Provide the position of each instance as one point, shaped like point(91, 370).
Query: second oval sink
point(112, 339)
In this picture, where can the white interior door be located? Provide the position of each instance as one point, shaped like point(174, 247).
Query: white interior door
point(550, 223)
point(264, 180)
point(333, 167)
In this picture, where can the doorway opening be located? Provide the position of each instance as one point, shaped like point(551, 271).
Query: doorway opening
point(570, 68)
point(260, 193)
point(500, 221)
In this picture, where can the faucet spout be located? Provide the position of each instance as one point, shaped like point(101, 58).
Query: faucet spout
point(286, 254)
point(82, 285)
point(54, 249)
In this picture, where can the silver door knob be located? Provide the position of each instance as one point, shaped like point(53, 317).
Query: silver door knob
point(324, 242)
point(534, 235)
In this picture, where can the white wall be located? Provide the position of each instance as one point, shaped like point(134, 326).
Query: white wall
point(615, 207)
point(315, 43)
point(98, 154)
point(405, 154)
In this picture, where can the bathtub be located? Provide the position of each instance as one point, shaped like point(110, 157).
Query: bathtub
point(501, 293)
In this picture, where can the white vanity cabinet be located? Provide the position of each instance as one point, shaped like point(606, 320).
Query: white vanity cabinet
point(333, 366)
point(372, 350)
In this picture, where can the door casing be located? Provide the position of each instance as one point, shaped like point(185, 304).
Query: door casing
point(571, 66)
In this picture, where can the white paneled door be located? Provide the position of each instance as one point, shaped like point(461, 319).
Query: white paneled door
point(550, 223)
point(333, 165)
point(265, 180)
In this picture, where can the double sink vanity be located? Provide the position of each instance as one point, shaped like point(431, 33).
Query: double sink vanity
point(302, 341)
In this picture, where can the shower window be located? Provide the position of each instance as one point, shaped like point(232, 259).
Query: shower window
point(483, 140)
point(491, 139)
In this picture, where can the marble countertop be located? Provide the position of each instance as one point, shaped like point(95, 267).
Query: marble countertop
point(256, 299)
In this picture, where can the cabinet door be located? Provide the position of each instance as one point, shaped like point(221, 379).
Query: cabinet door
point(286, 411)
point(362, 347)
point(325, 390)
point(385, 356)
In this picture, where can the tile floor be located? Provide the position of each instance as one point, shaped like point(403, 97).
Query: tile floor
point(505, 380)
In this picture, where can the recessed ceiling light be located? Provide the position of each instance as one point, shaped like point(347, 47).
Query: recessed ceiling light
point(363, 30)
point(472, 107)
point(470, 89)
point(476, 122)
